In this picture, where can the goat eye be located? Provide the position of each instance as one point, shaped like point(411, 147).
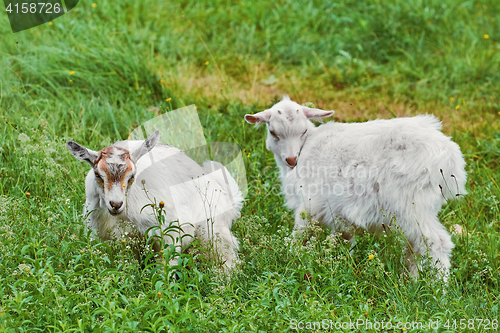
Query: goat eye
point(274, 134)
point(97, 176)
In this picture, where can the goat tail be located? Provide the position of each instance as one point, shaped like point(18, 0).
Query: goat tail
point(229, 182)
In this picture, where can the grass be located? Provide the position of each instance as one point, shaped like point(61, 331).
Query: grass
point(94, 75)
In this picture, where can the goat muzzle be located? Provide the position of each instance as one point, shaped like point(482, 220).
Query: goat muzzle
point(291, 161)
point(115, 207)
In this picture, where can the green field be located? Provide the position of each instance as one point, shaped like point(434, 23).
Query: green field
point(97, 72)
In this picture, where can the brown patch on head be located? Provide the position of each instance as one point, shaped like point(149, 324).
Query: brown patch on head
point(115, 163)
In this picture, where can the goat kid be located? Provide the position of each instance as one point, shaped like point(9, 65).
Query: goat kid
point(362, 174)
point(204, 199)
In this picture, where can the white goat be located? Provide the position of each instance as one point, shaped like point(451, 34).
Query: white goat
point(365, 173)
point(205, 200)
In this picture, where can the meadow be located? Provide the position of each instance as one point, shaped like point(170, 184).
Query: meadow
point(102, 69)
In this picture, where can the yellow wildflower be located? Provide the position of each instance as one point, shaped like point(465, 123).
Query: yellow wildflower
point(207, 63)
point(486, 36)
point(94, 5)
point(71, 72)
point(168, 99)
point(370, 257)
point(50, 23)
point(452, 99)
point(457, 107)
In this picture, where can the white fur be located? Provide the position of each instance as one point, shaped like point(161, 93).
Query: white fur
point(366, 173)
point(204, 199)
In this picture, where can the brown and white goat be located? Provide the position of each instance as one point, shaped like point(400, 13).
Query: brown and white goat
point(205, 200)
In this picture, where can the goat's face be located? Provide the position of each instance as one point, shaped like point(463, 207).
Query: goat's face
point(114, 169)
point(114, 173)
point(287, 128)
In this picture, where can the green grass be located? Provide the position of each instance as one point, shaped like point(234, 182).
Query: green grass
point(369, 59)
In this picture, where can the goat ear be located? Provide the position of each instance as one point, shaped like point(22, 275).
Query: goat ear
point(146, 146)
point(258, 117)
point(316, 113)
point(82, 153)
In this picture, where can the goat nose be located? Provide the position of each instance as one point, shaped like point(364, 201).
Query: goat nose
point(116, 205)
point(292, 161)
